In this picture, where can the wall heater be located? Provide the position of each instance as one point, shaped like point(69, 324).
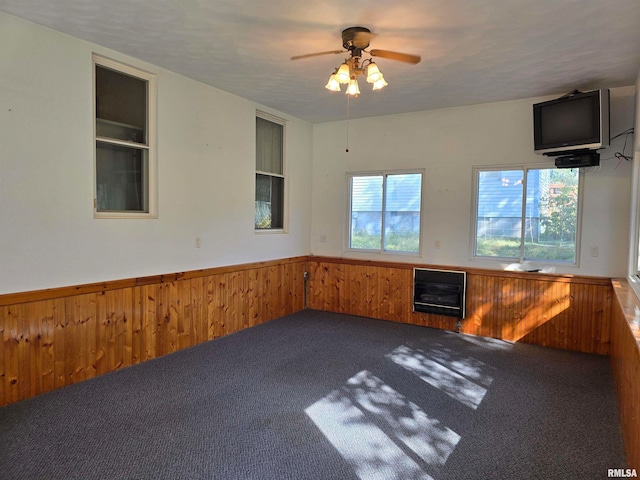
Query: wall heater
point(442, 292)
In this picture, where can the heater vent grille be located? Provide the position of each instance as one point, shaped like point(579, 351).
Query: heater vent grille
point(442, 292)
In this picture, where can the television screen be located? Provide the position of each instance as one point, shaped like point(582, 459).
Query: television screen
point(579, 121)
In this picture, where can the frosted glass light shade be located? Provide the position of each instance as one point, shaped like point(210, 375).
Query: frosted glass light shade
point(380, 84)
point(373, 73)
point(353, 88)
point(343, 75)
point(333, 84)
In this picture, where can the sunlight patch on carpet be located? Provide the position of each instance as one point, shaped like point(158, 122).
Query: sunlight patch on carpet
point(439, 376)
point(380, 433)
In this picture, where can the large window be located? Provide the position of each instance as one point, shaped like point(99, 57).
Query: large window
point(384, 211)
point(527, 214)
point(270, 178)
point(124, 155)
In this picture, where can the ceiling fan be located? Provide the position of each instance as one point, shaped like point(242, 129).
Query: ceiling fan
point(355, 41)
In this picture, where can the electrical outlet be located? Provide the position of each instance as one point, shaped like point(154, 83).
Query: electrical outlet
point(197, 242)
point(436, 244)
point(593, 251)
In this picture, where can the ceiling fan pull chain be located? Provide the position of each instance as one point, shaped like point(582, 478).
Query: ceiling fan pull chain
point(348, 105)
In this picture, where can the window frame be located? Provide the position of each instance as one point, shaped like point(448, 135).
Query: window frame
point(150, 146)
point(633, 274)
point(285, 194)
point(384, 174)
point(521, 259)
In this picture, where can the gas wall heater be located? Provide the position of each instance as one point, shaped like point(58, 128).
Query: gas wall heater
point(442, 292)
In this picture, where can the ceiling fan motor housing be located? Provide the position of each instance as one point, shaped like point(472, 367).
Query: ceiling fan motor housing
point(356, 39)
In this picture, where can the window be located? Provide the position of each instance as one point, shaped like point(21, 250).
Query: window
point(124, 132)
point(384, 211)
point(270, 178)
point(527, 214)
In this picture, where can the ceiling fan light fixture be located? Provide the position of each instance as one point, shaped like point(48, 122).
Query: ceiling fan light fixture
point(353, 88)
point(355, 41)
point(373, 73)
point(333, 84)
point(343, 75)
point(379, 84)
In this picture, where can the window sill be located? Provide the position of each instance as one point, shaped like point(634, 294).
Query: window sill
point(267, 231)
point(124, 215)
point(355, 252)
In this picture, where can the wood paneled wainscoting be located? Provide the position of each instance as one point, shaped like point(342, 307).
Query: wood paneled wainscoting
point(56, 337)
point(561, 311)
point(625, 364)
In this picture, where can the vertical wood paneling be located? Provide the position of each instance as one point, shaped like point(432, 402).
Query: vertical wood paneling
point(184, 318)
point(22, 357)
point(577, 299)
point(560, 312)
point(217, 304)
point(74, 340)
point(137, 341)
point(100, 331)
point(148, 322)
point(399, 296)
point(199, 310)
point(383, 292)
point(233, 298)
point(3, 368)
point(166, 318)
point(19, 360)
point(11, 315)
point(42, 356)
point(353, 291)
point(625, 365)
point(171, 311)
point(50, 343)
point(336, 285)
point(254, 281)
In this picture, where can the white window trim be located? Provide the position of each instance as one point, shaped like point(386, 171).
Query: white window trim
point(151, 80)
point(633, 274)
point(284, 175)
point(347, 236)
point(474, 210)
point(634, 220)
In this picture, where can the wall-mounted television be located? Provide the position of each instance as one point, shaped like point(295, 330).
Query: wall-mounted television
point(575, 122)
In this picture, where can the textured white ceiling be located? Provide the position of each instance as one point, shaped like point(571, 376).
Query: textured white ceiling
point(473, 51)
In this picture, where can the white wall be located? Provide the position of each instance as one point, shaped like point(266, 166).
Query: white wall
point(447, 143)
point(49, 238)
point(206, 169)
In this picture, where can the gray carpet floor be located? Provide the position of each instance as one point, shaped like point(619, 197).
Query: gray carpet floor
point(317, 395)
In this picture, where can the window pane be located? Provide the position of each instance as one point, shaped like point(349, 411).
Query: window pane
point(269, 146)
point(121, 176)
point(121, 105)
point(499, 213)
point(366, 213)
point(269, 202)
point(552, 214)
point(548, 230)
point(402, 213)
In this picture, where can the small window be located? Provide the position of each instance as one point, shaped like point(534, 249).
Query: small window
point(124, 150)
point(384, 212)
point(270, 177)
point(527, 214)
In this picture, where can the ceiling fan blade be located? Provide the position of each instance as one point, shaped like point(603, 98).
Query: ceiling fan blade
point(401, 57)
point(297, 57)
